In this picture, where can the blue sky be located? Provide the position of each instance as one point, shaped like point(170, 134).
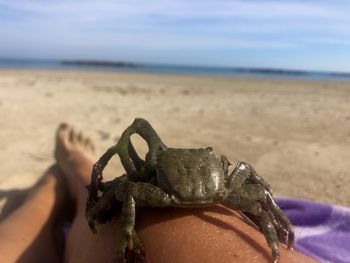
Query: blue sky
point(309, 34)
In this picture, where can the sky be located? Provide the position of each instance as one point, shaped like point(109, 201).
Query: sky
point(304, 35)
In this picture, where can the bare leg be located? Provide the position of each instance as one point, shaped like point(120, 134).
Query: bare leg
point(27, 234)
point(213, 234)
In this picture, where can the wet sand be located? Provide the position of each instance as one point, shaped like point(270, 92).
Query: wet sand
point(295, 133)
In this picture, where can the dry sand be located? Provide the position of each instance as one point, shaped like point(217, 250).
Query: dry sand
point(295, 133)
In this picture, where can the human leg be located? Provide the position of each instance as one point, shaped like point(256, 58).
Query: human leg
point(213, 234)
point(27, 234)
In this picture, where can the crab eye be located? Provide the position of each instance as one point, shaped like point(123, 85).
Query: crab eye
point(210, 149)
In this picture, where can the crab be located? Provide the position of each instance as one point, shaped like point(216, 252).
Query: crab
point(185, 178)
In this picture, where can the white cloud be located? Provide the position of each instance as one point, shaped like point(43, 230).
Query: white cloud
point(180, 9)
point(240, 17)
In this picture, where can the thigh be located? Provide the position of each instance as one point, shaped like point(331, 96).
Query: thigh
point(178, 235)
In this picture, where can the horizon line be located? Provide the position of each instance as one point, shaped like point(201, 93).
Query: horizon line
point(240, 68)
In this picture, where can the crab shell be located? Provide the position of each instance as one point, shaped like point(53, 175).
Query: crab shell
point(195, 175)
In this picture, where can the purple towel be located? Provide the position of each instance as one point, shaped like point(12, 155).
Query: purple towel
point(322, 231)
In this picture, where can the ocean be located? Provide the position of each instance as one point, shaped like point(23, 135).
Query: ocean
point(89, 65)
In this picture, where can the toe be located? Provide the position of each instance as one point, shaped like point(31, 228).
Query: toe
point(73, 137)
point(69, 139)
point(89, 144)
point(79, 136)
point(62, 135)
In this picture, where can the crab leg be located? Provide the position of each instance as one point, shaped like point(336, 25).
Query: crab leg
point(238, 176)
point(243, 204)
point(145, 130)
point(259, 180)
point(138, 162)
point(127, 222)
point(128, 157)
point(260, 190)
point(124, 148)
point(283, 221)
point(269, 231)
point(144, 193)
point(282, 225)
point(94, 210)
point(241, 173)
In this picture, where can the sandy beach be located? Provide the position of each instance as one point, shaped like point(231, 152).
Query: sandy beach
point(295, 133)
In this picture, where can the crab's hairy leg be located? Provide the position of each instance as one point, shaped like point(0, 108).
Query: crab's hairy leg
point(96, 176)
point(256, 179)
point(244, 171)
point(123, 147)
point(97, 210)
point(282, 224)
point(258, 193)
point(112, 184)
point(235, 184)
point(282, 219)
point(238, 177)
point(138, 162)
point(130, 163)
point(92, 214)
point(128, 220)
point(147, 194)
point(255, 192)
point(144, 194)
point(154, 143)
point(145, 130)
point(95, 185)
point(280, 230)
point(269, 231)
point(258, 189)
point(244, 204)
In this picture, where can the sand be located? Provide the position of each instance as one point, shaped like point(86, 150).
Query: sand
point(295, 133)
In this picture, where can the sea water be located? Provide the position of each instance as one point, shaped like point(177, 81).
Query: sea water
point(47, 64)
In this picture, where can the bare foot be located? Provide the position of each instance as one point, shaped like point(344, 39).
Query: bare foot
point(74, 153)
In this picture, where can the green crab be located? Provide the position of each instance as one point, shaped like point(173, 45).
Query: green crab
point(186, 178)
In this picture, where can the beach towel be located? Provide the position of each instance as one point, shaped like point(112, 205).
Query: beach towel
point(322, 231)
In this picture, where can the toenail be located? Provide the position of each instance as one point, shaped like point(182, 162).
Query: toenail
point(64, 125)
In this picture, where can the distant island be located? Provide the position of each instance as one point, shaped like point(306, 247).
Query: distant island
point(273, 71)
point(340, 74)
point(100, 63)
point(168, 69)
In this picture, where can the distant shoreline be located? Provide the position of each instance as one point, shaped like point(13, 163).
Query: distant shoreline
point(100, 63)
point(130, 67)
